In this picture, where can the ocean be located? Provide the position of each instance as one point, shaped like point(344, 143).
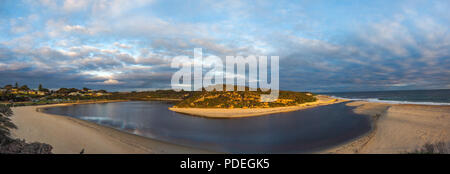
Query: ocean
point(424, 97)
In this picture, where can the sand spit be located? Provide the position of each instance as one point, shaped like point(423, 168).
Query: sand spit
point(238, 112)
point(399, 128)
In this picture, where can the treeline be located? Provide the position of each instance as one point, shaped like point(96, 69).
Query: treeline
point(23, 93)
point(218, 99)
point(151, 95)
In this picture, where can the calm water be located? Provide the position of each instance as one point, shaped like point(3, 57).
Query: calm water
point(431, 97)
point(298, 131)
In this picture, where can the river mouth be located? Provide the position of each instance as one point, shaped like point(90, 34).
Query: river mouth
point(302, 131)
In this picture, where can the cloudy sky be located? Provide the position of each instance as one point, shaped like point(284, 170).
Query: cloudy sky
point(323, 45)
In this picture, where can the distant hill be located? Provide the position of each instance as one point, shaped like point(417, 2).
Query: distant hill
point(152, 95)
point(242, 99)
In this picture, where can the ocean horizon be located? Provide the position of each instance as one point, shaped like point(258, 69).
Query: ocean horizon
point(422, 97)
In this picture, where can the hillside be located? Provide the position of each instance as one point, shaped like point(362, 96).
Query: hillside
point(151, 95)
point(242, 99)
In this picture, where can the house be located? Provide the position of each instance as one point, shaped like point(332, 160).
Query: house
point(101, 94)
point(31, 92)
point(14, 91)
point(41, 93)
point(74, 94)
point(22, 92)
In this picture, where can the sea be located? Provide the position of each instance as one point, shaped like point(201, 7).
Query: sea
point(423, 97)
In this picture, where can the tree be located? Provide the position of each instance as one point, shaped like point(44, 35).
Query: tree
point(24, 88)
point(5, 121)
point(8, 87)
point(62, 90)
point(102, 91)
point(72, 90)
point(16, 86)
point(45, 90)
point(40, 87)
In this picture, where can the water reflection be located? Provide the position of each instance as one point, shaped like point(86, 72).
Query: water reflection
point(299, 131)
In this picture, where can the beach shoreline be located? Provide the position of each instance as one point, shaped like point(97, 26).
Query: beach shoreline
point(69, 135)
point(396, 128)
point(40, 107)
point(251, 112)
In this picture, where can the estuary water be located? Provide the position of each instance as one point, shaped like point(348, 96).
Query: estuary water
point(302, 131)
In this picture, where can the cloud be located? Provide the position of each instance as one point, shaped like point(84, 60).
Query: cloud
point(75, 28)
point(13, 67)
point(122, 45)
point(125, 45)
point(75, 5)
point(109, 82)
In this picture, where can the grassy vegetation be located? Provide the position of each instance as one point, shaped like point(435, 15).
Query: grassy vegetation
point(436, 148)
point(151, 95)
point(198, 99)
point(242, 99)
point(5, 121)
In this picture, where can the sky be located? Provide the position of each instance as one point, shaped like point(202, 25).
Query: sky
point(323, 46)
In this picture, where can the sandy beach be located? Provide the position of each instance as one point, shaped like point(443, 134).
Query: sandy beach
point(237, 112)
point(399, 128)
point(70, 135)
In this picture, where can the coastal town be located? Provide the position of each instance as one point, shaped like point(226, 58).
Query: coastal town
point(24, 95)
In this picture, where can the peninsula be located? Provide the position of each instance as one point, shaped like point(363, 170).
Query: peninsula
point(235, 104)
point(234, 112)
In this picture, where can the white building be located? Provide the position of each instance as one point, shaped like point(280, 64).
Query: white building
point(74, 93)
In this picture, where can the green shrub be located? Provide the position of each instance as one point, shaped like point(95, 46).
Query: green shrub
point(5, 121)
